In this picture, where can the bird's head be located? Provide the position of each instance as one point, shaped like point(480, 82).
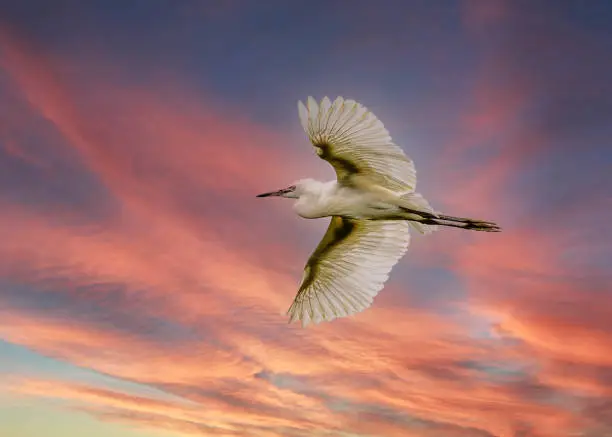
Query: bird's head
point(296, 190)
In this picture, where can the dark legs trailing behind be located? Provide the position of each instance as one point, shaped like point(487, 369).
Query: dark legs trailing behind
point(428, 218)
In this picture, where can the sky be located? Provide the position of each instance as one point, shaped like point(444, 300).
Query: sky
point(143, 287)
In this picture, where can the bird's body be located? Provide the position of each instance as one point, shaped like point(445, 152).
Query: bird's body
point(372, 204)
point(325, 199)
point(367, 202)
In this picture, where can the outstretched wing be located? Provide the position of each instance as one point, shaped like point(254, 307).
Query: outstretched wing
point(355, 142)
point(348, 268)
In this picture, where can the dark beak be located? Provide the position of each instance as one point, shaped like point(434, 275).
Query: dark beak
point(277, 193)
point(271, 193)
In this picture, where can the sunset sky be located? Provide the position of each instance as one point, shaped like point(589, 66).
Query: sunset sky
point(143, 287)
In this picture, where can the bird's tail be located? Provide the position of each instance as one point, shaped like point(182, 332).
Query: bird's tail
point(425, 220)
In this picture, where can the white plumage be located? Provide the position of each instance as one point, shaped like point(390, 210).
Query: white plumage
point(352, 272)
point(358, 137)
point(371, 204)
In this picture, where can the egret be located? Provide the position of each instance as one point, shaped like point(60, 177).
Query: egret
point(372, 204)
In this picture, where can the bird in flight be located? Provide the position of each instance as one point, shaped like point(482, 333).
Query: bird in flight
point(372, 205)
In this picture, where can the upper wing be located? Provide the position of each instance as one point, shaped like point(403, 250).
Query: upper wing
point(355, 142)
point(348, 268)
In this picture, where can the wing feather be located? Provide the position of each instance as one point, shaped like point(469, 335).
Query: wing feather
point(348, 268)
point(355, 142)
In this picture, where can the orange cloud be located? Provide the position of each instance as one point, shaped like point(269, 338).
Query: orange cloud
point(212, 414)
point(108, 351)
point(429, 376)
point(168, 257)
point(554, 311)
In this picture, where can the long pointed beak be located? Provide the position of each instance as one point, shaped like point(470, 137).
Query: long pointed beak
point(280, 193)
point(271, 193)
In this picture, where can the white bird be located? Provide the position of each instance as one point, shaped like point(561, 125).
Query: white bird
point(372, 204)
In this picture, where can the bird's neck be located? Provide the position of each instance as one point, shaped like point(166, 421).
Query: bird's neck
point(316, 204)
